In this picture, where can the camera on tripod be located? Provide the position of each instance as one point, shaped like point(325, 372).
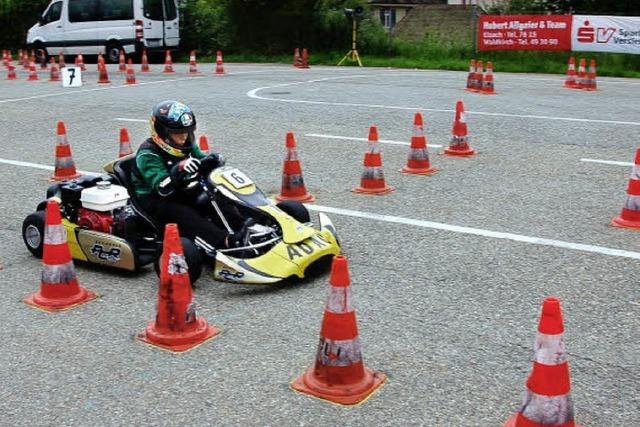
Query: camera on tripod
point(350, 13)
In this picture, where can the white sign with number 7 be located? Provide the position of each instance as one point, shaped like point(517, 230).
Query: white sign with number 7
point(71, 77)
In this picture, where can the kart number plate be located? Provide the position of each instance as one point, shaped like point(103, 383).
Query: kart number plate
point(237, 178)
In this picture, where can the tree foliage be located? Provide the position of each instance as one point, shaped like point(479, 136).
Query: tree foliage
point(590, 7)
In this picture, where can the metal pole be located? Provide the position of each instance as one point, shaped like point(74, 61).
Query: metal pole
point(474, 25)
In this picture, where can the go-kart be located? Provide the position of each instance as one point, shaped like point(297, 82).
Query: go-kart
point(107, 226)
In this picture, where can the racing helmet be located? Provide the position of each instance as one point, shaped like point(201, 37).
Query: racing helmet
point(171, 117)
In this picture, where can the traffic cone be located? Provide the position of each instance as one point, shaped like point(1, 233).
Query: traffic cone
point(65, 168)
point(177, 326)
point(305, 58)
point(59, 289)
point(570, 82)
point(219, 64)
point(459, 145)
point(630, 215)
point(418, 161)
point(479, 78)
point(168, 63)
point(54, 74)
point(103, 75)
point(488, 87)
point(297, 60)
point(547, 399)
point(582, 75)
point(372, 179)
point(131, 74)
point(471, 76)
point(100, 62)
point(20, 57)
point(61, 63)
point(11, 72)
point(193, 65)
point(33, 75)
point(25, 61)
point(43, 60)
point(144, 67)
point(122, 63)
point(125, 144)
point(5, 57)
point(590, 81)
point(80, 62)
point(339, 374)
point(203, 143)
point(293, 187)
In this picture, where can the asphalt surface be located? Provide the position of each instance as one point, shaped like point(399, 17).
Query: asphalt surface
point(449, 314)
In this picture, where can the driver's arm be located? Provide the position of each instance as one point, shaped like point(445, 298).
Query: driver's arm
point(155, 173)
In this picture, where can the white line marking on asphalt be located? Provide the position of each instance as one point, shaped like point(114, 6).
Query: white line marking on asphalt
point(71, 92)
point(123, 119)
point(429, 224)
point(607, 162)
point(351, 138)
point(254, 94)
point(478, 232)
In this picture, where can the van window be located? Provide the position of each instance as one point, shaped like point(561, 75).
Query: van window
point(113, 10)
point(83, 10)
point(53, 14)
point(153, 10)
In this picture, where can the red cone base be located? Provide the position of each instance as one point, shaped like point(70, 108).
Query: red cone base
point(468, 152)
point(618, 221)
point(178, 342)
point(59, 304)
point(419, 171)
point(369, 188)
point(351, 394)
point(305, 198)
point(523, 422)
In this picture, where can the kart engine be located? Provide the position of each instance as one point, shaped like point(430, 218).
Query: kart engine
point(94, 220)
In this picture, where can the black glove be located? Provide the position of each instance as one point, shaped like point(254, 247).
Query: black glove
point(211, 162)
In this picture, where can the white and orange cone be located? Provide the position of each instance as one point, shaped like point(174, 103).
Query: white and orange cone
point(293, 187)
point(59, 288)
point(459, 145)
point(33, 74)
point(372, 179)
point(193, 65)
point(103, 75)
point(64, 168)
point(54, 73)
point(131, 74)
point(630, 215)
point(11, 72)
point(144, 67)
point(168, 63)
point(571, 81)
point(488, 87)
point(61, 63)
point(418, 162)
point(590, 80)
point(122, 63)
point(125, 143)
point(471, 76)
point(547, 398)
point(582, 73)
point(219, 64)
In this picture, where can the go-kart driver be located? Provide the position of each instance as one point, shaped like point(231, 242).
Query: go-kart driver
point(167, 163)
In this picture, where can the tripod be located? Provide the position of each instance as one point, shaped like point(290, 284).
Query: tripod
point(352, 55)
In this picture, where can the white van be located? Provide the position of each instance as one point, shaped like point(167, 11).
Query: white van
point(105, 26)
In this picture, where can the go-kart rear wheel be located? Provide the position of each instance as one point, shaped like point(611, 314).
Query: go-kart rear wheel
point(295, 210)
point(33, 233)
point(193, 258)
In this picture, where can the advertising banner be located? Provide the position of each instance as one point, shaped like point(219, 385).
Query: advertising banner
point(524, 32)
point(606, 34)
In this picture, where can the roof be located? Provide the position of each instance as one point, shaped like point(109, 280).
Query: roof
point(405, 2)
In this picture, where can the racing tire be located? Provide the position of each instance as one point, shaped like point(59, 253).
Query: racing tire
point(33, 233)
point(296, 210)
point(193, 258)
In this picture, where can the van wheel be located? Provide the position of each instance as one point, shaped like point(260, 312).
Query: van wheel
point(112, 54)
point(40, 51)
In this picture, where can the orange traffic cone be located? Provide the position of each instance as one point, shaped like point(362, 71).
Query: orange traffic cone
point(547, 399)
point(372, 179)
point(339, 374)
point(33, 74)
point(570, 82)
point(479, 78)
point(459, 145)
point(20, 57)
point(103, 76)
point(293, 187)
point(582, 74)
point(25, 61)
point(131, 74)
point(305, 58)
point(122, 63)
point(42, 58)
point(100, 62)
point(59, 289)
point(219, 64)
point(125, 144)
point(471, 76)
point(11, 72)
point(488, 87)
point(177, 326)
point(297, 59)
point(80, 62)
point(65, 168)
point(590, 80)
point(203, 143)
point(193, 65)
point(61, 63)
point(630, 215)
point(168, 63)
point(5, 57)
point(144, 67)
point(54, 74)
point(418, 161)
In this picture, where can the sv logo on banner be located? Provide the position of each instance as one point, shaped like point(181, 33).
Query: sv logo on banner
point(591, 33)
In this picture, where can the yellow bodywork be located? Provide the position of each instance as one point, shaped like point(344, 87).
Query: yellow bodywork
point(72, 240)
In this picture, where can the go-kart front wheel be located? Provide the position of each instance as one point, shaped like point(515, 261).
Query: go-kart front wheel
point(191, 256)
point(33, 233)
